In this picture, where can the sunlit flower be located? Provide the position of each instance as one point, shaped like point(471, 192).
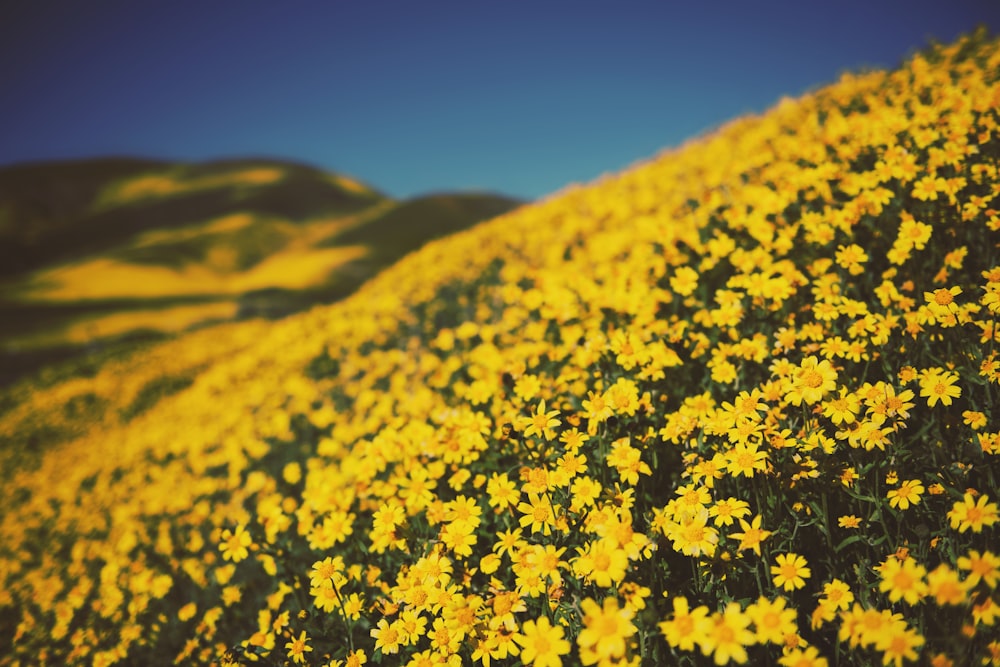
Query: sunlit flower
point(790, 571)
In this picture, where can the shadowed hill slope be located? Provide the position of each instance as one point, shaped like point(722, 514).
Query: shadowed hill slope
point(733, 405)
point(56, 211)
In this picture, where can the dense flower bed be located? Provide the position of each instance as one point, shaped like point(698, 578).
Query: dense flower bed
point(733, 405)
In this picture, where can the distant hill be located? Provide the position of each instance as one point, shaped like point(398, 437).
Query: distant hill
point(97, 252)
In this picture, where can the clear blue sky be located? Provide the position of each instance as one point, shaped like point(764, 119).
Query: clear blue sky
point(419, 95)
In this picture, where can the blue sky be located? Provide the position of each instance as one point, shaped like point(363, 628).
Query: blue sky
point(418, 96)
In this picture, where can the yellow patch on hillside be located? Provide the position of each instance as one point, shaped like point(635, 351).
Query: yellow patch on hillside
point(101, 278)
point(167, 184)
point(174, 319)
point(349, 184)
point(227, 223)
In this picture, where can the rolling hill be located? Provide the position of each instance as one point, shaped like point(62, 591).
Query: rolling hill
point(107, 253)
point(734, 405)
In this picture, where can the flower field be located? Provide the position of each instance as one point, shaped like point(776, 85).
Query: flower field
point(733, 405)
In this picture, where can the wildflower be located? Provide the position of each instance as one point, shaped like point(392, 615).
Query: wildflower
point(684, 281)
point(937, 385)
point(746, 460)
point(771, 620)
point(981, 567)
point(626, 459)
point(686, 627)
point(235, 544)
point(297, 648)
point(502, 491)
point(972, 514)
point(807, 657)
point(542, 643)
point(752, 535)
point(790, 571)
point(527, 387)
point(907, 494)
point(974, 419)
point(691, 534)
point(836, 596)
point(812, 380)
point(899, 644)
point(985, 611)
point(602, 562)
point(726, 636)
point(903, 580)
point(945, 587)
point(843, 409)
point(849, 521)
point(387, 636)
point(540, 422)
point(725, 511)
point(852, 257)
point(606, 628)
point(537, 513)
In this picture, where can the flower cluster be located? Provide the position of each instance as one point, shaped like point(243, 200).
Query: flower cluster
point(733, 405)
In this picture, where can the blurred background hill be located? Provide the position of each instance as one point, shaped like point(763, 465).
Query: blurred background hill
point(99, 255)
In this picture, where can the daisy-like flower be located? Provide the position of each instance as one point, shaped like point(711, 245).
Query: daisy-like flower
point(687, 626)
point(971, 514)
point(938, 385)
point(606, 630)
point(981, 567)
point(236, 543)
point(297, 648)
point(542, 643)
point(727, 635)
point(811, 381)
point(540, 422)
point(752, 535)
point(790, 571)
point(903, 580)
point(772, 620)
point(908, 493)
point(803, 657)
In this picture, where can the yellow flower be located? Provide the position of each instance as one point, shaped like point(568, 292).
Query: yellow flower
point(772, 621)
point(726, 635)
point(605, 632)
point(502, 491)
point(537, 513)
point(899, 644)
point(602, 562)
point(937, 385)
point(944, 585)
point(790, 571)
point(540, 422)
point(811, 381)
point(903, 580)
point(981, 567)
point(542, 644)
point(235, 544)
point(807, 657)
point(687, 626)
point(297, 648)
point(684, 281)
point(972, 514)
point(387, 636)
point(746, 459)
point(752, 535)
point(907, 494)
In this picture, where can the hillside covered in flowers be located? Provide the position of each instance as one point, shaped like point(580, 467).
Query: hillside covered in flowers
point(733, 405)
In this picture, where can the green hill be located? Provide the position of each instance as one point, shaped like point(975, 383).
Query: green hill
point(96, 253)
